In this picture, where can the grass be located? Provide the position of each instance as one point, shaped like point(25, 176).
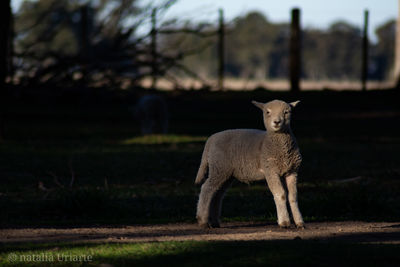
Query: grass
point(256, 253)
point(163, 139)
point(140, 183)
point(121, 178)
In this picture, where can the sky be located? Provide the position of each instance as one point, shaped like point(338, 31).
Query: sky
point(314, 13)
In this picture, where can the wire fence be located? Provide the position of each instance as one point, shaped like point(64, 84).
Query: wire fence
point(294, 82)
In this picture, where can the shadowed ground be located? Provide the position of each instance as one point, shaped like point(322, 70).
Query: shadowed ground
point(365, 232)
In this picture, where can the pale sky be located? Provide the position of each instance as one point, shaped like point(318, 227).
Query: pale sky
point(314, 13)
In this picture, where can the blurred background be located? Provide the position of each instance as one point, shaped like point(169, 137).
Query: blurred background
point(181, 44)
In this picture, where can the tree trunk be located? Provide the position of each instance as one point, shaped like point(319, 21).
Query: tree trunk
point(5, 12)
point(294, 51)
point(396, 72)
point(153, 48)
point(221, 48)
point(364, 63)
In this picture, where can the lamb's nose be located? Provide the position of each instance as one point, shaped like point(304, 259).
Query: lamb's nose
point(277, 121)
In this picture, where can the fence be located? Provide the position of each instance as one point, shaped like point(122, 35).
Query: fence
point(156, 63)
point(294, 50)
point(154, 53)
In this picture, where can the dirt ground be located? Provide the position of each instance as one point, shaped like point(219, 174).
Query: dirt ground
point(351, 231)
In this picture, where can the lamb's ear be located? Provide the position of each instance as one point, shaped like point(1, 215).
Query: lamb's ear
point(293, 104)
point(258, 104)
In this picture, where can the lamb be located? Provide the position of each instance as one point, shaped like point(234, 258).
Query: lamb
point(251, 155)
point(152, 113)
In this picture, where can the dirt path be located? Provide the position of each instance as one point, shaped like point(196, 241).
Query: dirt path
point(369, 232)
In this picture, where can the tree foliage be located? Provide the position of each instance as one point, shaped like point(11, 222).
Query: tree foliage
point(90, 41)
point(100, 42)
point(383, 53)
point(258, 49)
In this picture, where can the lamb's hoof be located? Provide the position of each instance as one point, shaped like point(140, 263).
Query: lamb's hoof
point(215, 225)
point(301, 226)
point(204, 225)
point(284, 225)
point(209, 225)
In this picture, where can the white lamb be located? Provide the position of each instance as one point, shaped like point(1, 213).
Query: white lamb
point(251, 155)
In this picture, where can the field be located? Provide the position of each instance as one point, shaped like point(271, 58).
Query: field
point(75, 162)
point(241, 84)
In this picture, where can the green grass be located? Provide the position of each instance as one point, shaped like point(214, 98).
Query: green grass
point(191, 253)
point(149, 183)
point(163, 139)
point(121, 177)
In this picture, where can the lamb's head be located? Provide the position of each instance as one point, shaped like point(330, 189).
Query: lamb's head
point(277, 114)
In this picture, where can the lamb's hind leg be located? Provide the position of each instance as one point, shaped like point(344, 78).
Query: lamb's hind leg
point(279, 193)
point(291, 182)
point(216, 203)
point(206, 212)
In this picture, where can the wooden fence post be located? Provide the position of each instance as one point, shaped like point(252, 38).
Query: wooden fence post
point(6, 15)
point(396, 72)
point(294, 51)
point(4, 41)
point(84, 42)
point(221, 50)
point(153, 47)
point(364, 66)
point(84, 10)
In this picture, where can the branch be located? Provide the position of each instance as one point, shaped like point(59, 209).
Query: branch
point(189, 31)
point(41, 18)
point(191, 73)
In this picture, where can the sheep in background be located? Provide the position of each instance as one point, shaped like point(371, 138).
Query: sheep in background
point(251, 155)
point(152, 113)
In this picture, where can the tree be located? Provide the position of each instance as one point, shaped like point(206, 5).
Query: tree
point(99, 44)
point(95, 43)
point(258, 49)
point(383, 52)
point(4, 40)
point(5, 35)
point(332, 54)
point(253, 49)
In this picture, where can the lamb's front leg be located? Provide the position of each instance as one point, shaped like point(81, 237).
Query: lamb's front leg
point(279, 193)
point(291, 182)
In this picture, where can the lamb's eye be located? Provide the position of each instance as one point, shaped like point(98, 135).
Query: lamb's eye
point(286, 112)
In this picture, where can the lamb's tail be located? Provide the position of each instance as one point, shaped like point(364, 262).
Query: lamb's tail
point(201, 173)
